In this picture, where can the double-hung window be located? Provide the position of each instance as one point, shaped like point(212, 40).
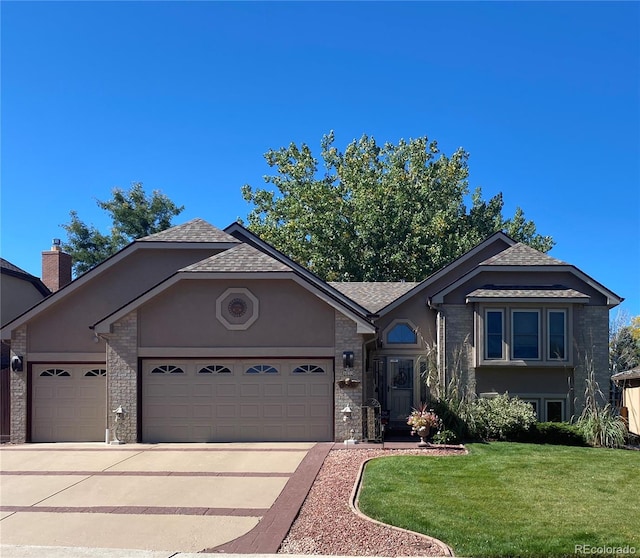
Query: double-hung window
point(525, 337)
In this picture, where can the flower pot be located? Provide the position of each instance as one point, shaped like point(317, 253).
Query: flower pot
point(423, 432)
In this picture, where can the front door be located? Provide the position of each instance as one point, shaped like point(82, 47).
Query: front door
point(399, 389)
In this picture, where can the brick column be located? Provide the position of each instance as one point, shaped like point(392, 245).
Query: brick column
point(122, 377)
point(347, 339)
point(592, 336)
point(457, 334)
point(18, 387)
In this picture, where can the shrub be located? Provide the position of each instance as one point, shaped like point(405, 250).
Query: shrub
point(556, 433)
point(445, 437)
point(602, 427)
point(502, 417)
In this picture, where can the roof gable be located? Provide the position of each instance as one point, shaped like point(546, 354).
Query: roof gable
point(7, 268)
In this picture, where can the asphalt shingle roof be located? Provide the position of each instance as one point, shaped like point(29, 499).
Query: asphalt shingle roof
point(242, 257)
point(196, 230)
point(521, 254)
point(556, 291)
point(373, 295)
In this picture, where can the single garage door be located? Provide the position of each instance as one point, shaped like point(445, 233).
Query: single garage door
point(69, 403)
point(237, 400)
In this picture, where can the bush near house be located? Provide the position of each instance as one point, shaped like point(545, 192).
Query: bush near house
point(556, 433)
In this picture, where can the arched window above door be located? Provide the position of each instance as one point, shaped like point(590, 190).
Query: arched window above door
point(401, 332)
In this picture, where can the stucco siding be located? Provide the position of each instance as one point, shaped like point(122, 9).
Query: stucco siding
point(65, 325)
point(185, 316)
point(16, 296)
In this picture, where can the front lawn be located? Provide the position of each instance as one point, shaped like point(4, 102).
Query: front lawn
point(507, 499)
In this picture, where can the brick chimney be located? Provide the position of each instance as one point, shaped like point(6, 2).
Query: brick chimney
point(56, 267)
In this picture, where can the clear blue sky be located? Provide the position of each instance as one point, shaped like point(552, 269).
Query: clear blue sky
point(186, 97)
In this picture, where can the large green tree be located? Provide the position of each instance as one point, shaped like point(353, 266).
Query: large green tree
point(376, 213)
point(134, 214)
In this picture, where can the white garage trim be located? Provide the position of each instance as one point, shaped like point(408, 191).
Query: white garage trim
point(223, 400)
point(68, 402)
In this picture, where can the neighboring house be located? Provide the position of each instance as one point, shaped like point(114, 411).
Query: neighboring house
point(199, 335)
point(629, 383)
point(19, 291)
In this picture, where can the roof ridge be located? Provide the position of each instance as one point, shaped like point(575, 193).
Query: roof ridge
point(242, 257)
point(195, 230)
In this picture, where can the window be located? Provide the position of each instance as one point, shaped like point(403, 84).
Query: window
point(214, 369)
point(526, 334)
point(167, 369)
point(555, 410)
point(535, 404)
point(402, 334)
point(96, 372)
point(312, 368)
point(494, 334)
point(262, 369)
point(55, 372)
point(557, 335)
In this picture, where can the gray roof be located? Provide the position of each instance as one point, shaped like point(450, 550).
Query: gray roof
point(373, 295)
point(242, 257)
point(520, 255)
point(555, 291)
point(632, 374)
point(196, 230)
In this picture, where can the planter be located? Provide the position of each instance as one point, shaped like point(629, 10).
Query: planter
point(423, 433)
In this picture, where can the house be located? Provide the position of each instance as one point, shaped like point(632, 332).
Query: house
point(629, 382)
point(196, 334)
point(19, 291)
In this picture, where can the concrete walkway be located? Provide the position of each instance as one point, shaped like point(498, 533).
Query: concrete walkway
point(157, 499)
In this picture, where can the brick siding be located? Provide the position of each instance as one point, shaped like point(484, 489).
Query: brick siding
point(122, 377)
point(18, 383)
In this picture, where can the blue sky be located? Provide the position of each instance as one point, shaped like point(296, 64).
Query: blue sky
point(186, 97)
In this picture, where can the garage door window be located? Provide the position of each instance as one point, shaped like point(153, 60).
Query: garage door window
point(262, 369)
point(55, 372)
point(308, 369)
point(96, 372)
point(214, 369)
point(167, 369)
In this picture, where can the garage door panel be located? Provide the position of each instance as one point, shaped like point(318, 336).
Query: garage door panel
point(67, 405)
point(249, 390)
point(225, 411)
point(226, 390)
point(222, 401)
point(273, 411)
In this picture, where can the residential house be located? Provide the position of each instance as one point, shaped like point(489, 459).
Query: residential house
point(19, 291)
point(629, 382)
point(195, 334)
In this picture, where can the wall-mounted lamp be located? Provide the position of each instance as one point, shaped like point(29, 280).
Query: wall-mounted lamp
point(346, 413)
point(347, 359)
point(17, 363)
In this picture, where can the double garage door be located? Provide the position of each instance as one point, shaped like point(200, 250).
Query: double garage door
point(237, 400)
point(69, 403)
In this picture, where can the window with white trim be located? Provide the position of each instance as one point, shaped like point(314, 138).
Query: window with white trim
point(55, 372)
point(215, 369)
point(167, 369)
point(308, 368)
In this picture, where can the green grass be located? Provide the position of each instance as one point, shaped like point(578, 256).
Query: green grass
point(507, 499)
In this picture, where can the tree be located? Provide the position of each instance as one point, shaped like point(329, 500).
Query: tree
point(134, 214)
point(380, 213)
point(624, 343)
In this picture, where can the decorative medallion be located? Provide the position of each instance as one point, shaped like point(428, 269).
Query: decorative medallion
point(237, 308)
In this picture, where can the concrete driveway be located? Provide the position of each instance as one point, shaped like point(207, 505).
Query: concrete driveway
point(164, 497)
